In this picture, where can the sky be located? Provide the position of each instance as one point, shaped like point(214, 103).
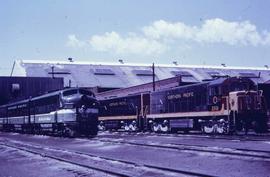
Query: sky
point(191, 32)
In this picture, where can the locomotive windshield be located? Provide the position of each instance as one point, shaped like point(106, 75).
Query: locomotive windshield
point(239, 86)
point(85, 92)
point(75, 91)
point(70, 92)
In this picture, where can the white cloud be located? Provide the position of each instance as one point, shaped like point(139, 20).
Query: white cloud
point(267, 37)
point(74, 42)
point(162, 36)
point(211, 31)
point(132, 44)
point(162, 29)
point(232, 33)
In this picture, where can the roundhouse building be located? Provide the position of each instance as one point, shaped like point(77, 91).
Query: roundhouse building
point(108, 76)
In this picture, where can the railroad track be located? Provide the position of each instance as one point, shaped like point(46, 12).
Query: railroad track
point(223, 137)
point(112, 167)
point(258, 154)
point(60, 159)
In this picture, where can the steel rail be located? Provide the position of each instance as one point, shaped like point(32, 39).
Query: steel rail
point(163, 169)
point(197, 148)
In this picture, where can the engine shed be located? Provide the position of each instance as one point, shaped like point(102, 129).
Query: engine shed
point(101, 76)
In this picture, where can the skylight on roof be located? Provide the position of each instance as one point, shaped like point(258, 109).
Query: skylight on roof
point(249, 75)
point(215, 74)
point(182, 73)
point(58, 71)
point(103, 72)
point(143, 72)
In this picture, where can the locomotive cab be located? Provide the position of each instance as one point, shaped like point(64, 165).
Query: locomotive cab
point(247, 110)
point(242, 101)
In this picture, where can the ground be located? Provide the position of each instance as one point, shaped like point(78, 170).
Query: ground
point(134, 154)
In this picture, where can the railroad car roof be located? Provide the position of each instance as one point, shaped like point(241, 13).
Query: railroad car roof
point(41, 96)
point(127, 96)
point(222, 80)
point(183, 87)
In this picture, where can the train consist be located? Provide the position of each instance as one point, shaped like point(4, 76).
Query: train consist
point(68, 112)
point(224, 105)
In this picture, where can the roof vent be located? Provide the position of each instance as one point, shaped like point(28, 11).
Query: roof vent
point(70, 59)
point(121, 61)
point(175, 63)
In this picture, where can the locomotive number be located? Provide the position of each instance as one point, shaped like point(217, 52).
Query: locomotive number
point(215, 108)
point(215, 100)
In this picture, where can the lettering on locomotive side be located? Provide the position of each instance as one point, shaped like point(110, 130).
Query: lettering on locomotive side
point(187, 95)
point(180, 95)
point(13, 107)
point(171, 97)
point(22, 106)
point(44, 119)
point(122, 103)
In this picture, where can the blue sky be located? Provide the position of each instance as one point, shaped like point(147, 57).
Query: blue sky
point(197, 32)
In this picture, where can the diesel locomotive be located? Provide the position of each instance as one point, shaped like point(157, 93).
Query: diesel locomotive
point(224, 105)
point(67, 112)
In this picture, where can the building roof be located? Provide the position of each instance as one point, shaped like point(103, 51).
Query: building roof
point(267, 82)
point(121, 75)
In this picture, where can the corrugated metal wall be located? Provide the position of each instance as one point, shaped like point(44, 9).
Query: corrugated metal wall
point(18, 88)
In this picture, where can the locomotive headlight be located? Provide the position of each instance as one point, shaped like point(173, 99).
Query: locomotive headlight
point(221, 120)
point(82, 109)
point(165, 122)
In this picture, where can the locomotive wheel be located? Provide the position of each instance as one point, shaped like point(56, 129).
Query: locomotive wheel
point(208, 129)
point(70, 133)
point(220, 130)
point(126, 128)
point(156, 127)
point(101, 128)
point(132, 127)
point(164, 128)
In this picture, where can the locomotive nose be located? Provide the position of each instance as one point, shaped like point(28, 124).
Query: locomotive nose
point(84, 98)
point(87, 100)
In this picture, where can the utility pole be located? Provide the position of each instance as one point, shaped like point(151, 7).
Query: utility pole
point(53, 72)
point(153, 74)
